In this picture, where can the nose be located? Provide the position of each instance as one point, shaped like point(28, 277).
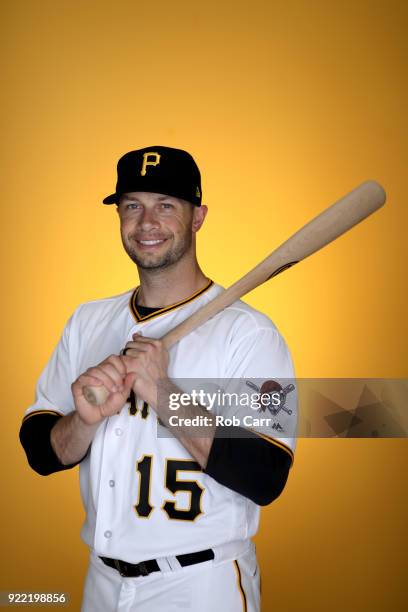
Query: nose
point(148, 220)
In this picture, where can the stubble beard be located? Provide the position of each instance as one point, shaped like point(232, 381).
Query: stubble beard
point(152, 261)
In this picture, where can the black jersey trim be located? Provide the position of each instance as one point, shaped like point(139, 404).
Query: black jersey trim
point(139, 317)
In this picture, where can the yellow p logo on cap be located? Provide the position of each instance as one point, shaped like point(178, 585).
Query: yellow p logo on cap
point(148, 162)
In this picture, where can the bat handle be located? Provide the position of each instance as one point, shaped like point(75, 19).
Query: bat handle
point(95, 395)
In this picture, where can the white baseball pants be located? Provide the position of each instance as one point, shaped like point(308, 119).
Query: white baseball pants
point(231, 585)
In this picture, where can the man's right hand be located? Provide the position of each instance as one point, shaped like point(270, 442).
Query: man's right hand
point(111, 373)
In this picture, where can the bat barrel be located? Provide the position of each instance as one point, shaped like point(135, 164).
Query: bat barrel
point(335, 220)
point(323, 229)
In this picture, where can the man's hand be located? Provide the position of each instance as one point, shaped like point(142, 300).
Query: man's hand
point(112, 373)
point(148, 360)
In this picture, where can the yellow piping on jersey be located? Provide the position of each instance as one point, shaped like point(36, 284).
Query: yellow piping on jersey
point(35, 412)
point(276, 442)
point(139, 317)
point(243, 596)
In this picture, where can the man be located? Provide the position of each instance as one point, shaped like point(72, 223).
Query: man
point(168, 518)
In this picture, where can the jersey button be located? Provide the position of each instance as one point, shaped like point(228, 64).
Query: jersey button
point(118, 431)
point(111, 483)
point(107, 534)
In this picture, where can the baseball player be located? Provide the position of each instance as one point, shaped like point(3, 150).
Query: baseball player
point(169, 519)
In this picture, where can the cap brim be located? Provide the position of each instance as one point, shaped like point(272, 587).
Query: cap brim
point(112, 199)
point(160, 189)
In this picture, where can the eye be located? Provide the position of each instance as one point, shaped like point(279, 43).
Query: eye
point(167, 205)
point(132, 206)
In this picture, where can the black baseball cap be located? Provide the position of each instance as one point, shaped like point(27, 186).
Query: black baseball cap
point(158, 169)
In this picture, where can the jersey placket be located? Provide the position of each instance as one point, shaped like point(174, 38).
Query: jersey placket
point(114, 474)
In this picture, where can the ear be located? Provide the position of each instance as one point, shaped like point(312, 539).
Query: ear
point(199, 214)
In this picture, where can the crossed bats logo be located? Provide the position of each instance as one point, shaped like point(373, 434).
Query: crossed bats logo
point(268, 392)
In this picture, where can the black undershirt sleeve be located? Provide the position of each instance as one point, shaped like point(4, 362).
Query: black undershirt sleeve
point(249, 465)
point(35, 439)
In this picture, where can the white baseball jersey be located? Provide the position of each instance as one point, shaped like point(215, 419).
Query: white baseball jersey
point(145, 497)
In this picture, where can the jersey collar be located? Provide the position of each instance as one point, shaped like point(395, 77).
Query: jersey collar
point(139, 317)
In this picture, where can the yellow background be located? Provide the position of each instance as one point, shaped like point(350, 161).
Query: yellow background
point(286, 106)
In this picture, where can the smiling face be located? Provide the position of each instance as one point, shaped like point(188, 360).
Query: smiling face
point(157, 230)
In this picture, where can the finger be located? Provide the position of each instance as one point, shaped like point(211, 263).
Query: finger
point(134, 353)
point(117, 400)
point(100, 373)
point(116, 362)
point(145, 340)
point(84, 381)
point(135, 346)
point(140, 342)
point(129, 380)
point(127, 384)
point(111, 371)
point(131, 361)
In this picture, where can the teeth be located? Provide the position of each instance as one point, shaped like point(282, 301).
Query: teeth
point(149, 242)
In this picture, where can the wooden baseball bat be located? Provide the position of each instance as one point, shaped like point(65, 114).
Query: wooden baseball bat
point(326, 227)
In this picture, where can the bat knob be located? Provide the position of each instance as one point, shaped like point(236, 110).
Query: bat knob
point(95, 395)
